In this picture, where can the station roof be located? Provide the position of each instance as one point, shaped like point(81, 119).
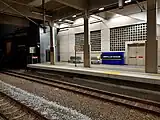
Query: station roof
point(55, 9)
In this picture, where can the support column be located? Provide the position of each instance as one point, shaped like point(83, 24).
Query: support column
point(52, 59)
point(86, 47)
point(151, 63)
point(121, 3)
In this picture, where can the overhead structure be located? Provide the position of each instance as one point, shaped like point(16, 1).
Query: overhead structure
point(7, 19)
point(54, 9)
point(10, 8)
point(94, 4)
point(77, 4)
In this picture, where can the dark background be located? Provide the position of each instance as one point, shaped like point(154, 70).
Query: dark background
point(21, 38)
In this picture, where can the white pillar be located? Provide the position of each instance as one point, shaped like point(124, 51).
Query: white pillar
point(52, 56)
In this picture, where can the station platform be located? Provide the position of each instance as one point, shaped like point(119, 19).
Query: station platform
point(128, 73)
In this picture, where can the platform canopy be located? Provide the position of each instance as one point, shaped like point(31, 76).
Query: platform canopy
point(54, 9)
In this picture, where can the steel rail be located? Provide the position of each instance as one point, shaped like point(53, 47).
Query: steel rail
point(27, 110)
point(145, 105)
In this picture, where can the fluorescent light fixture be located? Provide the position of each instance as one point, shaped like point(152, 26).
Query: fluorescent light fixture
point(70, 21)
point(100, 9)
point(121, 3)
point(60, 20)
point(41, 31)
point(64, 25)
point(97, 17)
point(127, 1)
point(74, 16)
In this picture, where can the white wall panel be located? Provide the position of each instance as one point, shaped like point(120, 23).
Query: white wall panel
point(63, 57)
point(64, 45)
point(44, 44)
point(72, 39)
point(106, 46)
point(158, 31)
point(71, 47)
point(140, 16)
point(79, 29)
point(71, 44)
point(64, 48)
point(71, 31)
point(105, 35)
point(63, 33)
point(104, 24)
point(122, 21)
point(95, 26)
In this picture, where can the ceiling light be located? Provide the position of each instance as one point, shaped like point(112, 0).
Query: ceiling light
point(127, 1)
point(100, 9)
point(60, 20)
point(74, 16)
point(70, 21)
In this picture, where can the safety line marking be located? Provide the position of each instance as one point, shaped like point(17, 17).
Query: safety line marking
point(112, 72)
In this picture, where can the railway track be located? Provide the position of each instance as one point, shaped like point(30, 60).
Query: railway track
point(11, 109)
point(134, 102)
point(2, 117)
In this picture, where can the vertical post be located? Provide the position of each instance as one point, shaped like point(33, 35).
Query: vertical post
point(75, 54)
point(86, 47)
point(151, 65)
point(120, 4)
point(44, 15)
point(51, 45)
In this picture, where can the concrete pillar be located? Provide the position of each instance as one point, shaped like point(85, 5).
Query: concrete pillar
point(52, 59)
point(151, 63)
point(120, 3)
point(86, 47)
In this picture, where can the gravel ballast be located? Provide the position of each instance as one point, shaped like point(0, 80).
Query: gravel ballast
point(95, 109)
point(51, 110)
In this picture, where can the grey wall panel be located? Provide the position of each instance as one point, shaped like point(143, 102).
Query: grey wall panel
point(45, 43)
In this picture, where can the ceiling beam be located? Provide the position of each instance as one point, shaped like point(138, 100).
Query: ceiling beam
point(108, 4)
point(77, 4)
point(96, 4)
point(37, 2)
point(25, 10)
point(8, 19)
point(60, 14)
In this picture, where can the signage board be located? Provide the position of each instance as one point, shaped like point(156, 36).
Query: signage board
point(32, 50)
point(113, 58)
